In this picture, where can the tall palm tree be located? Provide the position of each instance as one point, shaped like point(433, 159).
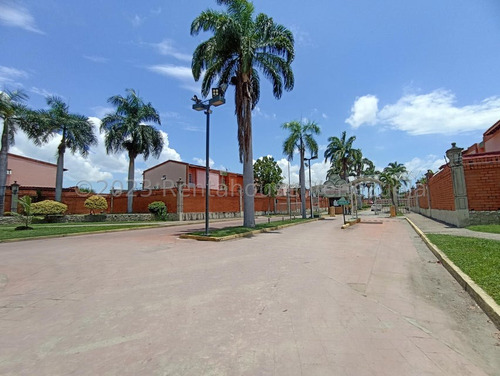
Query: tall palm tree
point(332, 171)
point(360, 164)
point(301, 138)
point(340, 153)
point(125, 131)
point(240, 46)
point(76, 131)
point(372, 172)
point(14, 115)
point(393, 176)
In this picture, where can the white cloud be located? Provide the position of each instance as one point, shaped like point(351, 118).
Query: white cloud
point(301, 37)
point(178, 72)
point(42, 92)
point(166, 48)
point(14, 15)
point(96, 59)
point(137, 20)
point(202, 162)
point(166, 154)
point(101, 111)
point(432, 113)
point(257, 111)
point(318, 172)
point(9, 76)
point(364, 111)
point(156, 12)
point(417, 167)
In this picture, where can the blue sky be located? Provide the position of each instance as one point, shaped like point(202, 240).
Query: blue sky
point(406, 77)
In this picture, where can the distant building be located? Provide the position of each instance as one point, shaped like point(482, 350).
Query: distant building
point(29, 172)
point(490, 143)
point(166, 174)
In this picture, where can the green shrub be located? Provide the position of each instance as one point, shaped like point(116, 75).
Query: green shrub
point(96, 203)
point(159, 209)
point(48, 207)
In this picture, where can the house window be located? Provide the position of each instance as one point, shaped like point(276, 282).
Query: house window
point(190, 178)
point(164, 177)
point(9, 171)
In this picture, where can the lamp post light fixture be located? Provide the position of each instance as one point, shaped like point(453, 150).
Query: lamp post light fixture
point(310, 186)
point(14, 198)
point(199, 105)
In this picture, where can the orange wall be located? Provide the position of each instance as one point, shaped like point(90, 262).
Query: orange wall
point(441, 190)
point(194, 201)
point(482, 178)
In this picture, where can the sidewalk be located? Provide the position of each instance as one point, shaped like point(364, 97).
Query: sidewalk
point(430, 226)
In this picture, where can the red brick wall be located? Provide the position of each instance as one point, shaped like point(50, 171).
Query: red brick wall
point(482, 178)
point(441, 190)
point(421, 196)
point(194, 200)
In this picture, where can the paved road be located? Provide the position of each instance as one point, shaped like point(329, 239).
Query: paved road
point(305, 300)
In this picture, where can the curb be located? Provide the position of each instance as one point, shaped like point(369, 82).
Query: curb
point(483, 300)
point(245, 234)
point(350, 223)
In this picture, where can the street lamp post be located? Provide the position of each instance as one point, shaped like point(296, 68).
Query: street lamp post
point(310, 186)
point(199, 105)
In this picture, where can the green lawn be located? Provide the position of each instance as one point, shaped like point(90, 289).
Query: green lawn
point(227, 231)
point(494, 229)
point(478, 258)
point(52, 229)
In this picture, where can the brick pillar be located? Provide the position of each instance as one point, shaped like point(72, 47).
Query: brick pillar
point(459, 188)
point(180, 200)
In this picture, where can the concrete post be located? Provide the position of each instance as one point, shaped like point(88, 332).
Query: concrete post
point(459, 188)
point(180, 200)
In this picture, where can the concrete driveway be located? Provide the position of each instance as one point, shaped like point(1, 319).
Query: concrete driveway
point(306, 300)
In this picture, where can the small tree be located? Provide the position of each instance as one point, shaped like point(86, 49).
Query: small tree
point(25, 203)
point(266, 172)
point(159, 209)
point(96, 202)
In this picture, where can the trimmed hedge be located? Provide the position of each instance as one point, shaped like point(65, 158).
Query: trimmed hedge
point(48, 207)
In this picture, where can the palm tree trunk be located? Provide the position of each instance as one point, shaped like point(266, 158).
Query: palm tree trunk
point(248, 184)
point(3, 166)
point(302, 175)
point(59, 173)
point(243, 100)
point(130, 183)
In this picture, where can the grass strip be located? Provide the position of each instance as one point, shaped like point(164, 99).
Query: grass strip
point(493, 229)
point(9, 232)
point(478, 258)
point(236, 230)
